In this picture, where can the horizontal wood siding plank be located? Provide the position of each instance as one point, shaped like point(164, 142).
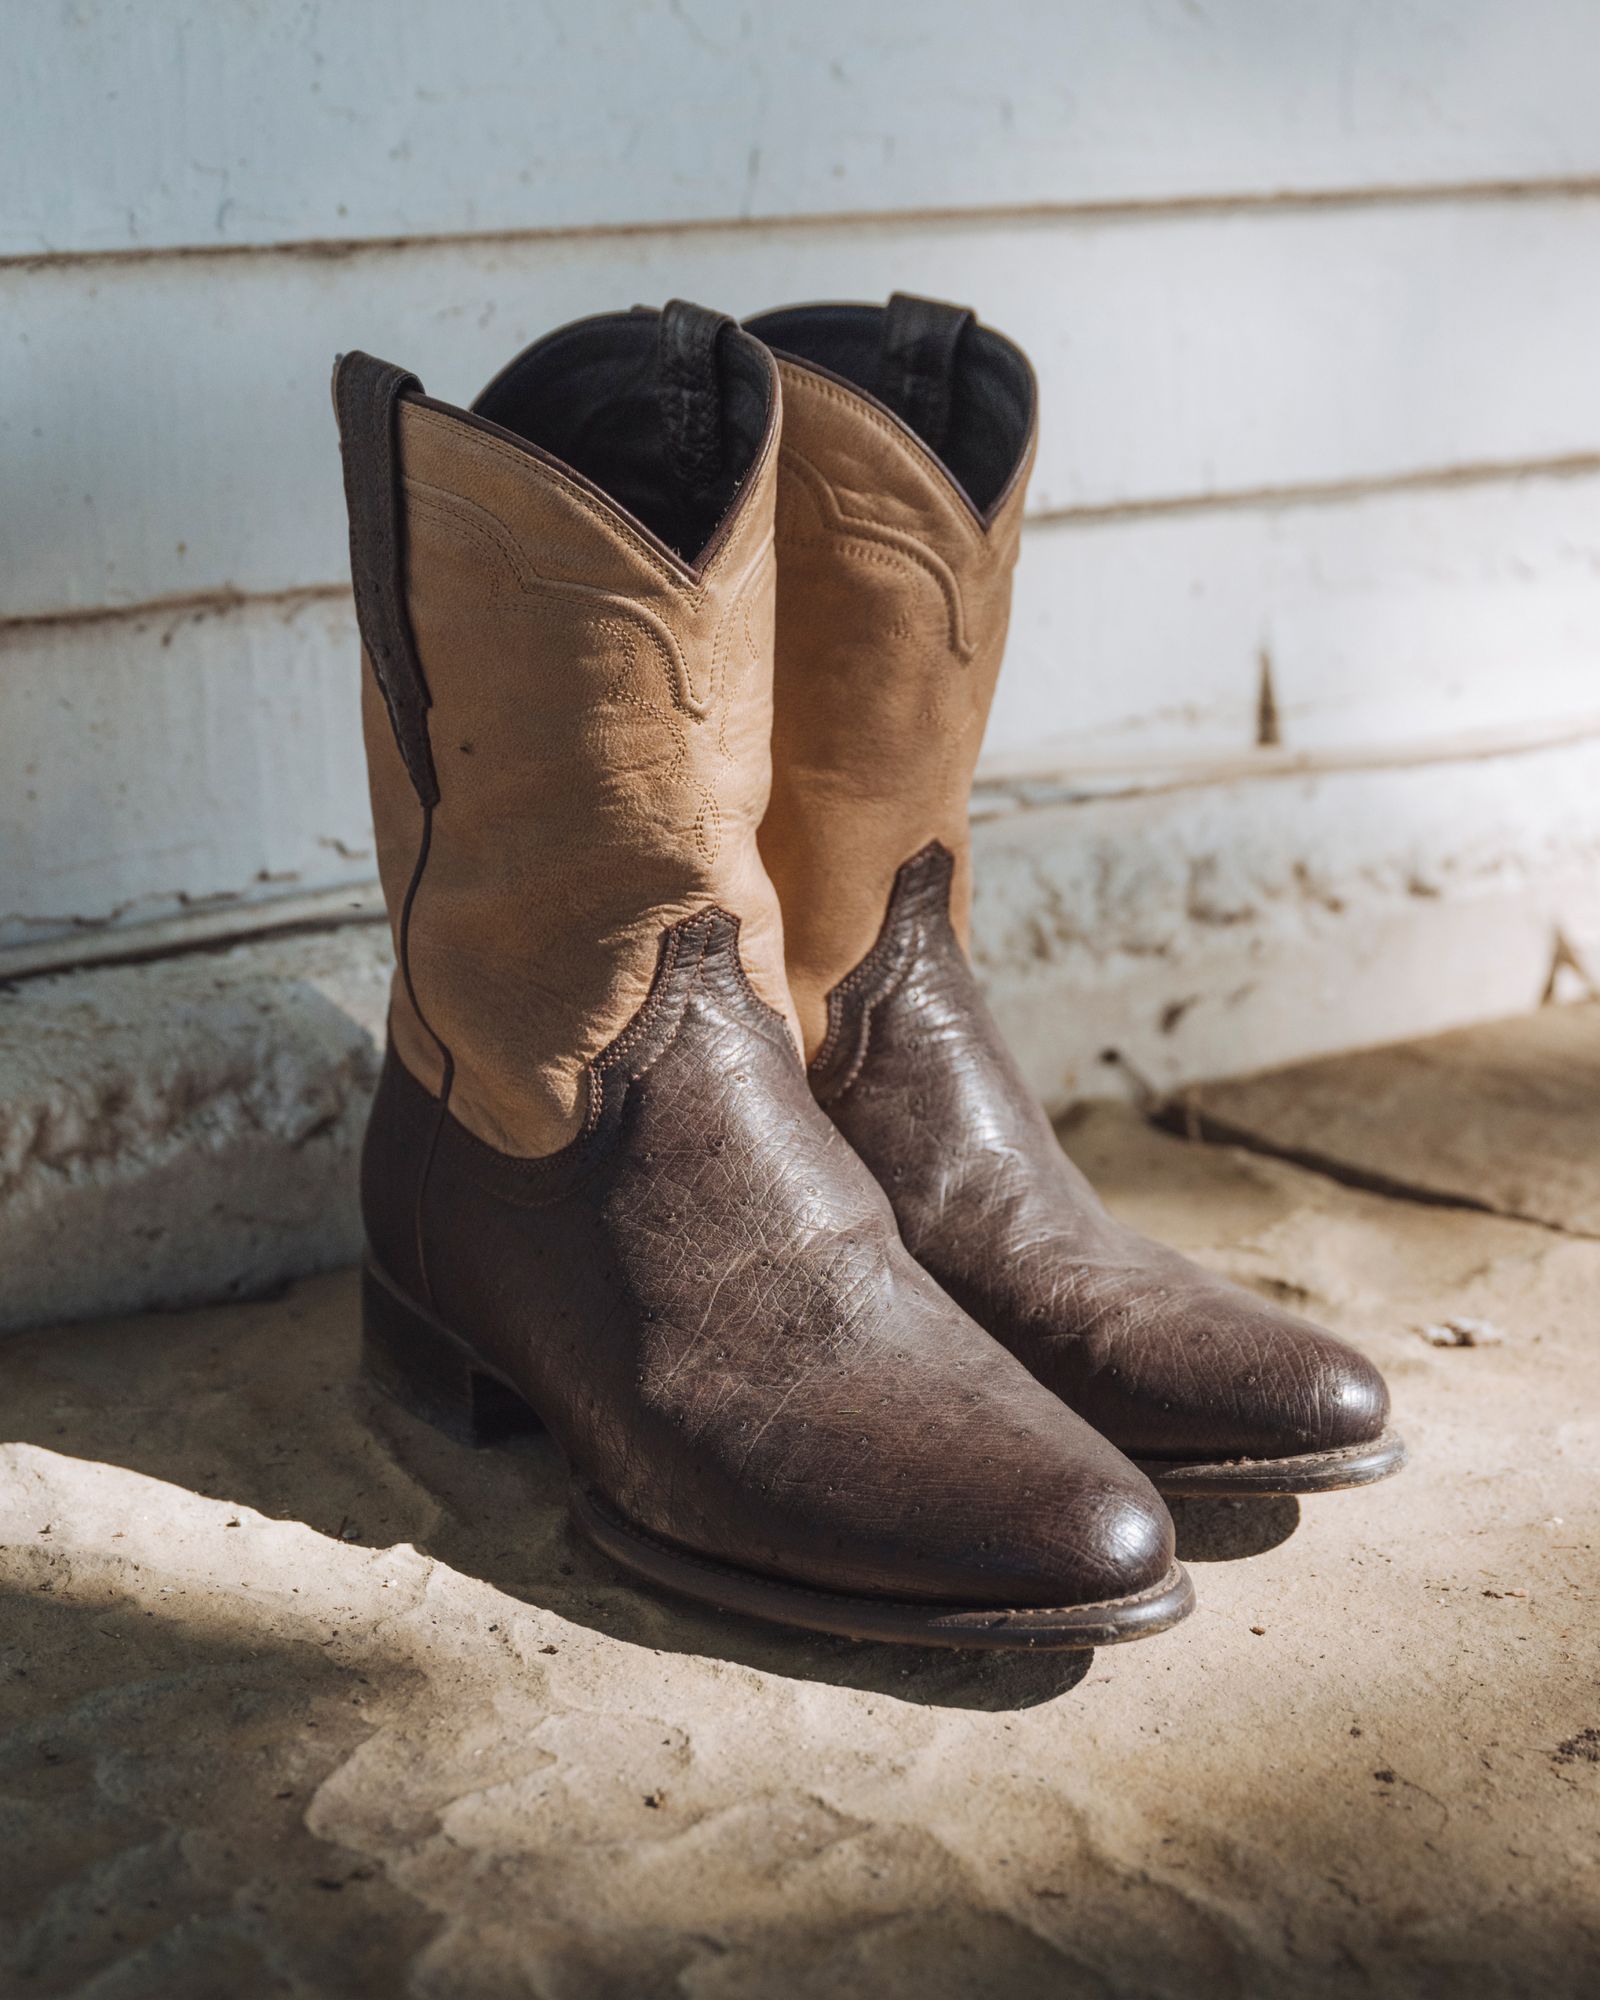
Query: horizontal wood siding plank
point(135, 127)
point(165, 429)
point(152, 765)
point(1396, 618)
point(178, 764)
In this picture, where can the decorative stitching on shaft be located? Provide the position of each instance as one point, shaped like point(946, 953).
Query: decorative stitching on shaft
point(853, 1002)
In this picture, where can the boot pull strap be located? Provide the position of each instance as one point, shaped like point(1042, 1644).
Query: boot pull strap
point(690, 390)
point(366, 401)
point(917, 362)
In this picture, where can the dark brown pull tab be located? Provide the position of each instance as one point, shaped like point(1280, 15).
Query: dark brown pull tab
point(366, 400)
point(918, 361)
point(690, 390)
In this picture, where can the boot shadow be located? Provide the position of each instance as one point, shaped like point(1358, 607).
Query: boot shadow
point(263, 1406)
point(1232, 1530)
point(552, 1565)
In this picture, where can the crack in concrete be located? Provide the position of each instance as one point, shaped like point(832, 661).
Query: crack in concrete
point(1184, 1118)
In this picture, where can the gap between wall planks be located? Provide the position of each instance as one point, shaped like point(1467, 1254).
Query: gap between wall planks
point(1565, 187)
point(1184, 364)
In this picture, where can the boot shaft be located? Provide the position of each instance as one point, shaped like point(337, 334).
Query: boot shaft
point(566, 601)
point(908, 435)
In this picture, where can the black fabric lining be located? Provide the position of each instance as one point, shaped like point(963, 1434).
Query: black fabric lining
point(664, 412)
point(964, 389)
point(921, 342)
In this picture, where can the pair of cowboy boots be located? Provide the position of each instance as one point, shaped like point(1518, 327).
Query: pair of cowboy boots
point(695, 1141)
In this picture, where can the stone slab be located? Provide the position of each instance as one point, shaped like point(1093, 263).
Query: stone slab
point(185, 1130)
point(1505, 1115)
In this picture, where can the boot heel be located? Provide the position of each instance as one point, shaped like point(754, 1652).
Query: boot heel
point(429, 1373)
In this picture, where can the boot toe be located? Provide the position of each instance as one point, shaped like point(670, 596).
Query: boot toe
point(1233, 1379)
point(1138, 1543)
point(1355, 1400)
point(1094, 1532)
point(1302, 1390)
point(1032, 1509)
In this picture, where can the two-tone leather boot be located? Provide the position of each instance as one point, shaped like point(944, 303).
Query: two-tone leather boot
point(908, 435)
point(598, 1193)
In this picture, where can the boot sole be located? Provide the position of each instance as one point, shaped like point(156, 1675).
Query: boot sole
point(433, 1375)
point(1263, 1478)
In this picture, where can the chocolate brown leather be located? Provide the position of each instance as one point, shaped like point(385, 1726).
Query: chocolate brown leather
point(705, 1298)
point(1167, 1360)
point(893, 591)
point(698, 1287)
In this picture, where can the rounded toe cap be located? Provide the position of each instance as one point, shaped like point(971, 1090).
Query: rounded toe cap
point(1352, 1401)
point(1060, 1519)
point(1100, 1533)
point(1295, 1389)
point(1228, 1376)
point(1139, 1543)
point(1292, 1389)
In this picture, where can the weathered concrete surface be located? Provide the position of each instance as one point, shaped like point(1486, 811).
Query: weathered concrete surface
point(1157, 937)
point(185, 1130)
point(297, 1697)
point(1524, 1139)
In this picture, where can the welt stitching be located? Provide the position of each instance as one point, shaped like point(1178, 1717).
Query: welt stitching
point(1000, 1613)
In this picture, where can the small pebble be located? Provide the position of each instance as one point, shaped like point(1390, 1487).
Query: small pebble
point(1463, 1333)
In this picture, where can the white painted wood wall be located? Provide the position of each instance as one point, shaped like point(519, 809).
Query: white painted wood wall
point(1314, 295)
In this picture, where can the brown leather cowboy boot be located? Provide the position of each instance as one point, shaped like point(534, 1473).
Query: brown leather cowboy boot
point(908, 434)
point(598, 1193)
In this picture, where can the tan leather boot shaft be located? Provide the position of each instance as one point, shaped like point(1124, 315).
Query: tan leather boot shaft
point(600, 727)
point(894, 595)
